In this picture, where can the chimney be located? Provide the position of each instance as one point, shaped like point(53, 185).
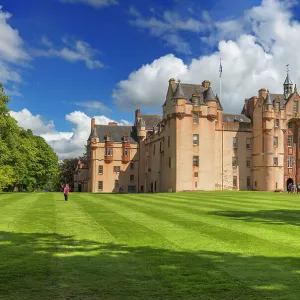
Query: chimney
point(137, 113)
point(172, 83)
point(92, 124)
point(206, 84)
point(262, 93)
point(112, 124)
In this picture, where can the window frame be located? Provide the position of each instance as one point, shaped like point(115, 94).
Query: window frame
point(277, 107)
point(248, 145)
point(197, 139)
point(195, 161)
point(234, 181)
point(234, 162)
point(100, 183)
point(131, 178)
point(117, 169)
point(276, 123)
point(290, 139)
point(295, 106)
point(100, 167)
point(107, 151)
point(195, 118)
point(275, 142)
point(275, 161)
point(290, 162)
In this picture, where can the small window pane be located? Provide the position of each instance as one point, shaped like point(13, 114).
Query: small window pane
point(100, 185)
point(276, 123)
point(131, 178)
point(277, 107)
point(248, 144)
point(290, 141)
point(275, 142)
point(108, 151)
point(196, 174)
point(196, 139)
point(195, 119)
point(248, 163)
point(234, 162)
point(195, 161)
point(234, 181)
point(100, 170)
point(290, 161)
point(234, 143)
point(248, 182)
point(275, 160)
point(295, 106)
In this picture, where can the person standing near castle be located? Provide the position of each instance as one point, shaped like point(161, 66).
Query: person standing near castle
point(66, 192)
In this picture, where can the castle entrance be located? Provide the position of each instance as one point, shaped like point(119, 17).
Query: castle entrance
point(290, 180)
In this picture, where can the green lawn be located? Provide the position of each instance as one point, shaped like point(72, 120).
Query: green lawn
point(209, 245)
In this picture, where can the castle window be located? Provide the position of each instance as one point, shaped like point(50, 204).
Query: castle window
point(290, 161)
point(248, 163)
point(290, 141)
point(168, 141)
point(275, 141)
point(235, 143)
point(126, 151)
point(234, 181)
point(196, 101)
point(295, 106)
point(196, 174)
point(277, 106)
point(108, 151)
point(196, 161)
point(170, 162)
point(234, 162)
point(195, 119)
point(131, 166)
point(196, 139)
point(116, 183)
point(100, 185)
point(117, 169)
point(275, 161)
point(153, 149)
point(276, 123)
point(248, 182)
point(131, 178)
point(266, 107)
point(248, 144)
point(100, 170)
point(161, 146)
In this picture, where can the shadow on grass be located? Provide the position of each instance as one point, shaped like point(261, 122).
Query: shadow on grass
point(279, 217)
point(52, 266)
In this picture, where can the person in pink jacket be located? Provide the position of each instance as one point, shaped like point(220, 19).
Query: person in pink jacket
point(66, 192)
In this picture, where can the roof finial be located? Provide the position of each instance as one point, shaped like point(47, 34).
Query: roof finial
point(287, 68)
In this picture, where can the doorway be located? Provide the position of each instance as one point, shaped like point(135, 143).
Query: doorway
point(290, 180)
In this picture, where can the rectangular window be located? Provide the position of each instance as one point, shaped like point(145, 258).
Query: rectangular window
point(117, 169)
point(235, 141)
point(277, 106)
point(248, 144)
point(196, 174)
point(234, 162)
point(196, 161)
point(195, 119)
point(275, 161)
point(168, 141)
point(248, 163)
point(248, 181)
point(196, 184)
point(126, 151)
point(153, 149)
point(290, 141)
point(131, 178)
point(275, 141)
point(169, 162)
point(295, 106)
point(108, 151)
point(161, 146)
point(234, 181)
point(266, 107)
point(100, 170)
point(290, 161)
point(276, 123)
point(100, 185)
point(131, 166)
point(116, 183)
point(196, 139)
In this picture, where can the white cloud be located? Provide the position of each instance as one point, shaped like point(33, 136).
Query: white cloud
point(168, 28)
point(94, 106)
point(72, 52)
point(93, 3)
point(12, 52)
point(65, 144)
point(264, 41)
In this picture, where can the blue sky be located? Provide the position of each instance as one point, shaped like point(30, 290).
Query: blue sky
point(76, 53)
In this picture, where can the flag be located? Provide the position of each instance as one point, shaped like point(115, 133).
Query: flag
point(221, 69)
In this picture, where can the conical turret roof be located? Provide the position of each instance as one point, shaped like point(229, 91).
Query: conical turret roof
point(209, 95)
point(268, 100)
point(288, 79)
point(94, 133)
point(179, 92)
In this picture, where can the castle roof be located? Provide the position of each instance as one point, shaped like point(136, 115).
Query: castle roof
point(179, 94)
point(117, 133)
point(268, 100)
point(236, 118)
point(151, 120)
point(209, 95)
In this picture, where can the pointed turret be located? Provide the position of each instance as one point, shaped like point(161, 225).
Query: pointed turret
point(179, 92)
point(209, 95)
point(287, 86)
point(94, 133)
point(268, 100)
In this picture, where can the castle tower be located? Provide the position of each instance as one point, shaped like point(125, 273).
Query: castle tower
point(287, 86)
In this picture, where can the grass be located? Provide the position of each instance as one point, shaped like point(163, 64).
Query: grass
point(208, 245)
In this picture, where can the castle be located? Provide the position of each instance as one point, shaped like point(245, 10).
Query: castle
point(194, 146)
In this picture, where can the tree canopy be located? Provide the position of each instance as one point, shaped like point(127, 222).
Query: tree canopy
point(27, 162)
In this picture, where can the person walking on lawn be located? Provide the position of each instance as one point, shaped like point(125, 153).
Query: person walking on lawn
point(66, 192)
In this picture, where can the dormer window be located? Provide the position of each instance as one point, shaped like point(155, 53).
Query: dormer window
point(108, 137)
point(295, 106)
point(125, 137)
point(277, 106)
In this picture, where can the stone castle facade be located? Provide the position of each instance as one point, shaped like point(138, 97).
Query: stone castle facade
point(193, 145)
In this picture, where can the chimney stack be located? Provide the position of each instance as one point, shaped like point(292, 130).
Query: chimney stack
point(113, 124)
point(92, 124)
point(137, 114)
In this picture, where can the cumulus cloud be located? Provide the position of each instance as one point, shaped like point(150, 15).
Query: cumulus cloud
point(93, 3)
point(12, 52)
point(253, 57)
point(66, 144)
point(73, 52)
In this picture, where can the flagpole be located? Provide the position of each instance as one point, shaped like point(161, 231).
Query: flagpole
point(221, 79)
